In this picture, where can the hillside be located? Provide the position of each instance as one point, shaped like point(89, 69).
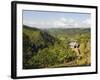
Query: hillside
point(49, 48)
point(37, 37)
point(67, 31)
point(34, 40)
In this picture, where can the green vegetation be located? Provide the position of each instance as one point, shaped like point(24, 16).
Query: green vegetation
point(46, 48)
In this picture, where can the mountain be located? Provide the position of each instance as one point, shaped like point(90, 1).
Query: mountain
point(67, 31)
point(36, 39)
point(44, 48)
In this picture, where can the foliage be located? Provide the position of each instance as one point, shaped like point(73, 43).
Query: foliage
point(50, 48)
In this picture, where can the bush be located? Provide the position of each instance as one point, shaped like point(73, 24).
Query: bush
point(44, 58)
point(71, 55)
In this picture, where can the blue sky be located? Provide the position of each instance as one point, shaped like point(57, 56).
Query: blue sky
point(44, 19)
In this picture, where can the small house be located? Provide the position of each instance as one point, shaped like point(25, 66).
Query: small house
point(74, 44)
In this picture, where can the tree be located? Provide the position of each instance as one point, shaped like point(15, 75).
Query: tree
point(26, 49)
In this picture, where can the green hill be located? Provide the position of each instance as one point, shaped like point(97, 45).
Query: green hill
point(47, 48)
point(68, 31)
point(36, 38)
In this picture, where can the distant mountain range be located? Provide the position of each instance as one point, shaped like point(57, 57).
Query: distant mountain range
point(67, 31)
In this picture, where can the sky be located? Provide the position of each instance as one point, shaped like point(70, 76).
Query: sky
point(51, 19)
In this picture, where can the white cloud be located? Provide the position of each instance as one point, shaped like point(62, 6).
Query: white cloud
point(59, 23)
point(87, 21)
point(63, 19)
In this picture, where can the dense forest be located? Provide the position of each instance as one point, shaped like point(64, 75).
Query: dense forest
point(49, 48)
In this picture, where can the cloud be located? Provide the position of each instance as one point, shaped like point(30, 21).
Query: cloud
point(59, 23)
point(87, 21)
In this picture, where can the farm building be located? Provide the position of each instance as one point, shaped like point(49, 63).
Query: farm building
point(74, 44)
